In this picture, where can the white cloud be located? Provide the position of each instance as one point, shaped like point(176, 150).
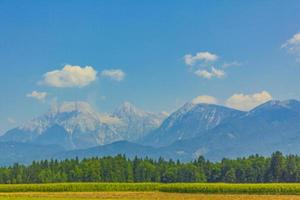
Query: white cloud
point(203, 74)
point(205, 99)
point(210, 74)
point(217, 73)
point(41, 96)
point(292, 42)
point(247, 101)
point(70, 76)
point(200, 56)
point(114, 74)
point(293, 46)
point(208, 65)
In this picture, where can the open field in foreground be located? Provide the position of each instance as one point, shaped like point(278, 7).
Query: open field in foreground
point(138, 196)
point(203, 188)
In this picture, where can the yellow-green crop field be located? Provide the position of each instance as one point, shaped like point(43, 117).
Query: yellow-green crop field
point(147, 191)
point(204, 188)
point(138, 196)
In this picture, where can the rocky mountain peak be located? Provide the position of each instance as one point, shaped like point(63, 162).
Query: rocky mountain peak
point(128, 109)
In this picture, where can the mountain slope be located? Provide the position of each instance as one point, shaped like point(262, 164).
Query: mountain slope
point(76, 125)
point(210, 130)
point(272, 126)
point(12, 152)
point(190, 121)
point(137, 123)
point(121, 147)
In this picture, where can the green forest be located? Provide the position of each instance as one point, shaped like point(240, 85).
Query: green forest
point(252, 169)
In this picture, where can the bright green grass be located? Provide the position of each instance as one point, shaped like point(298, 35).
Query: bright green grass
point(205, 188)
point(223, 188)
point(79, 187)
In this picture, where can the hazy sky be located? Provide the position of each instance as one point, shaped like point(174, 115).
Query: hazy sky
point(155, 54)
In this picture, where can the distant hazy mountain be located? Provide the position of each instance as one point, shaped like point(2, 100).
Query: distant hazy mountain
point(190, 121)
point(195, 129)
point(75, 125)
point(137, 123)
point(272, 126)
point(121, 147)
point(11, 152)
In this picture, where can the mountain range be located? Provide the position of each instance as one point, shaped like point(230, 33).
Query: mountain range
point(76, 125)
point(76, 129)
point(190, 121)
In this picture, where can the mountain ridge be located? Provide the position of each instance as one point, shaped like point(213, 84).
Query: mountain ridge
point(218, 132)
point(83, 127)
point(189, 121)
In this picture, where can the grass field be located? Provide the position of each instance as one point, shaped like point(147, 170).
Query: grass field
point(223, 188)
point(138, 196)
point(80, 187)
point(204, 188)
point(147, 191)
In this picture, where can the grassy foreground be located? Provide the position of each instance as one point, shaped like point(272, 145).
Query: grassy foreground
point(223, 188)
point(80, 187)
point(203, 188)
point(137, 196)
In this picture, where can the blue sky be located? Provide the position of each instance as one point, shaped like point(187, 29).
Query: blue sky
point(238, 53)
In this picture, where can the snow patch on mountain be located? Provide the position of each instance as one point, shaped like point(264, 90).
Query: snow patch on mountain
point(85, 127)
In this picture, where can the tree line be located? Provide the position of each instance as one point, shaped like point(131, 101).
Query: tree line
point(252, 169)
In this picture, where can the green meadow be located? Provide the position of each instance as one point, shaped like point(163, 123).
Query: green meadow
point(202, 188)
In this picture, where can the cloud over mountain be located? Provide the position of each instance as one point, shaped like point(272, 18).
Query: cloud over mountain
point(205, 99)
point(70, 76)
point(41, 96)
point(246, 102)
